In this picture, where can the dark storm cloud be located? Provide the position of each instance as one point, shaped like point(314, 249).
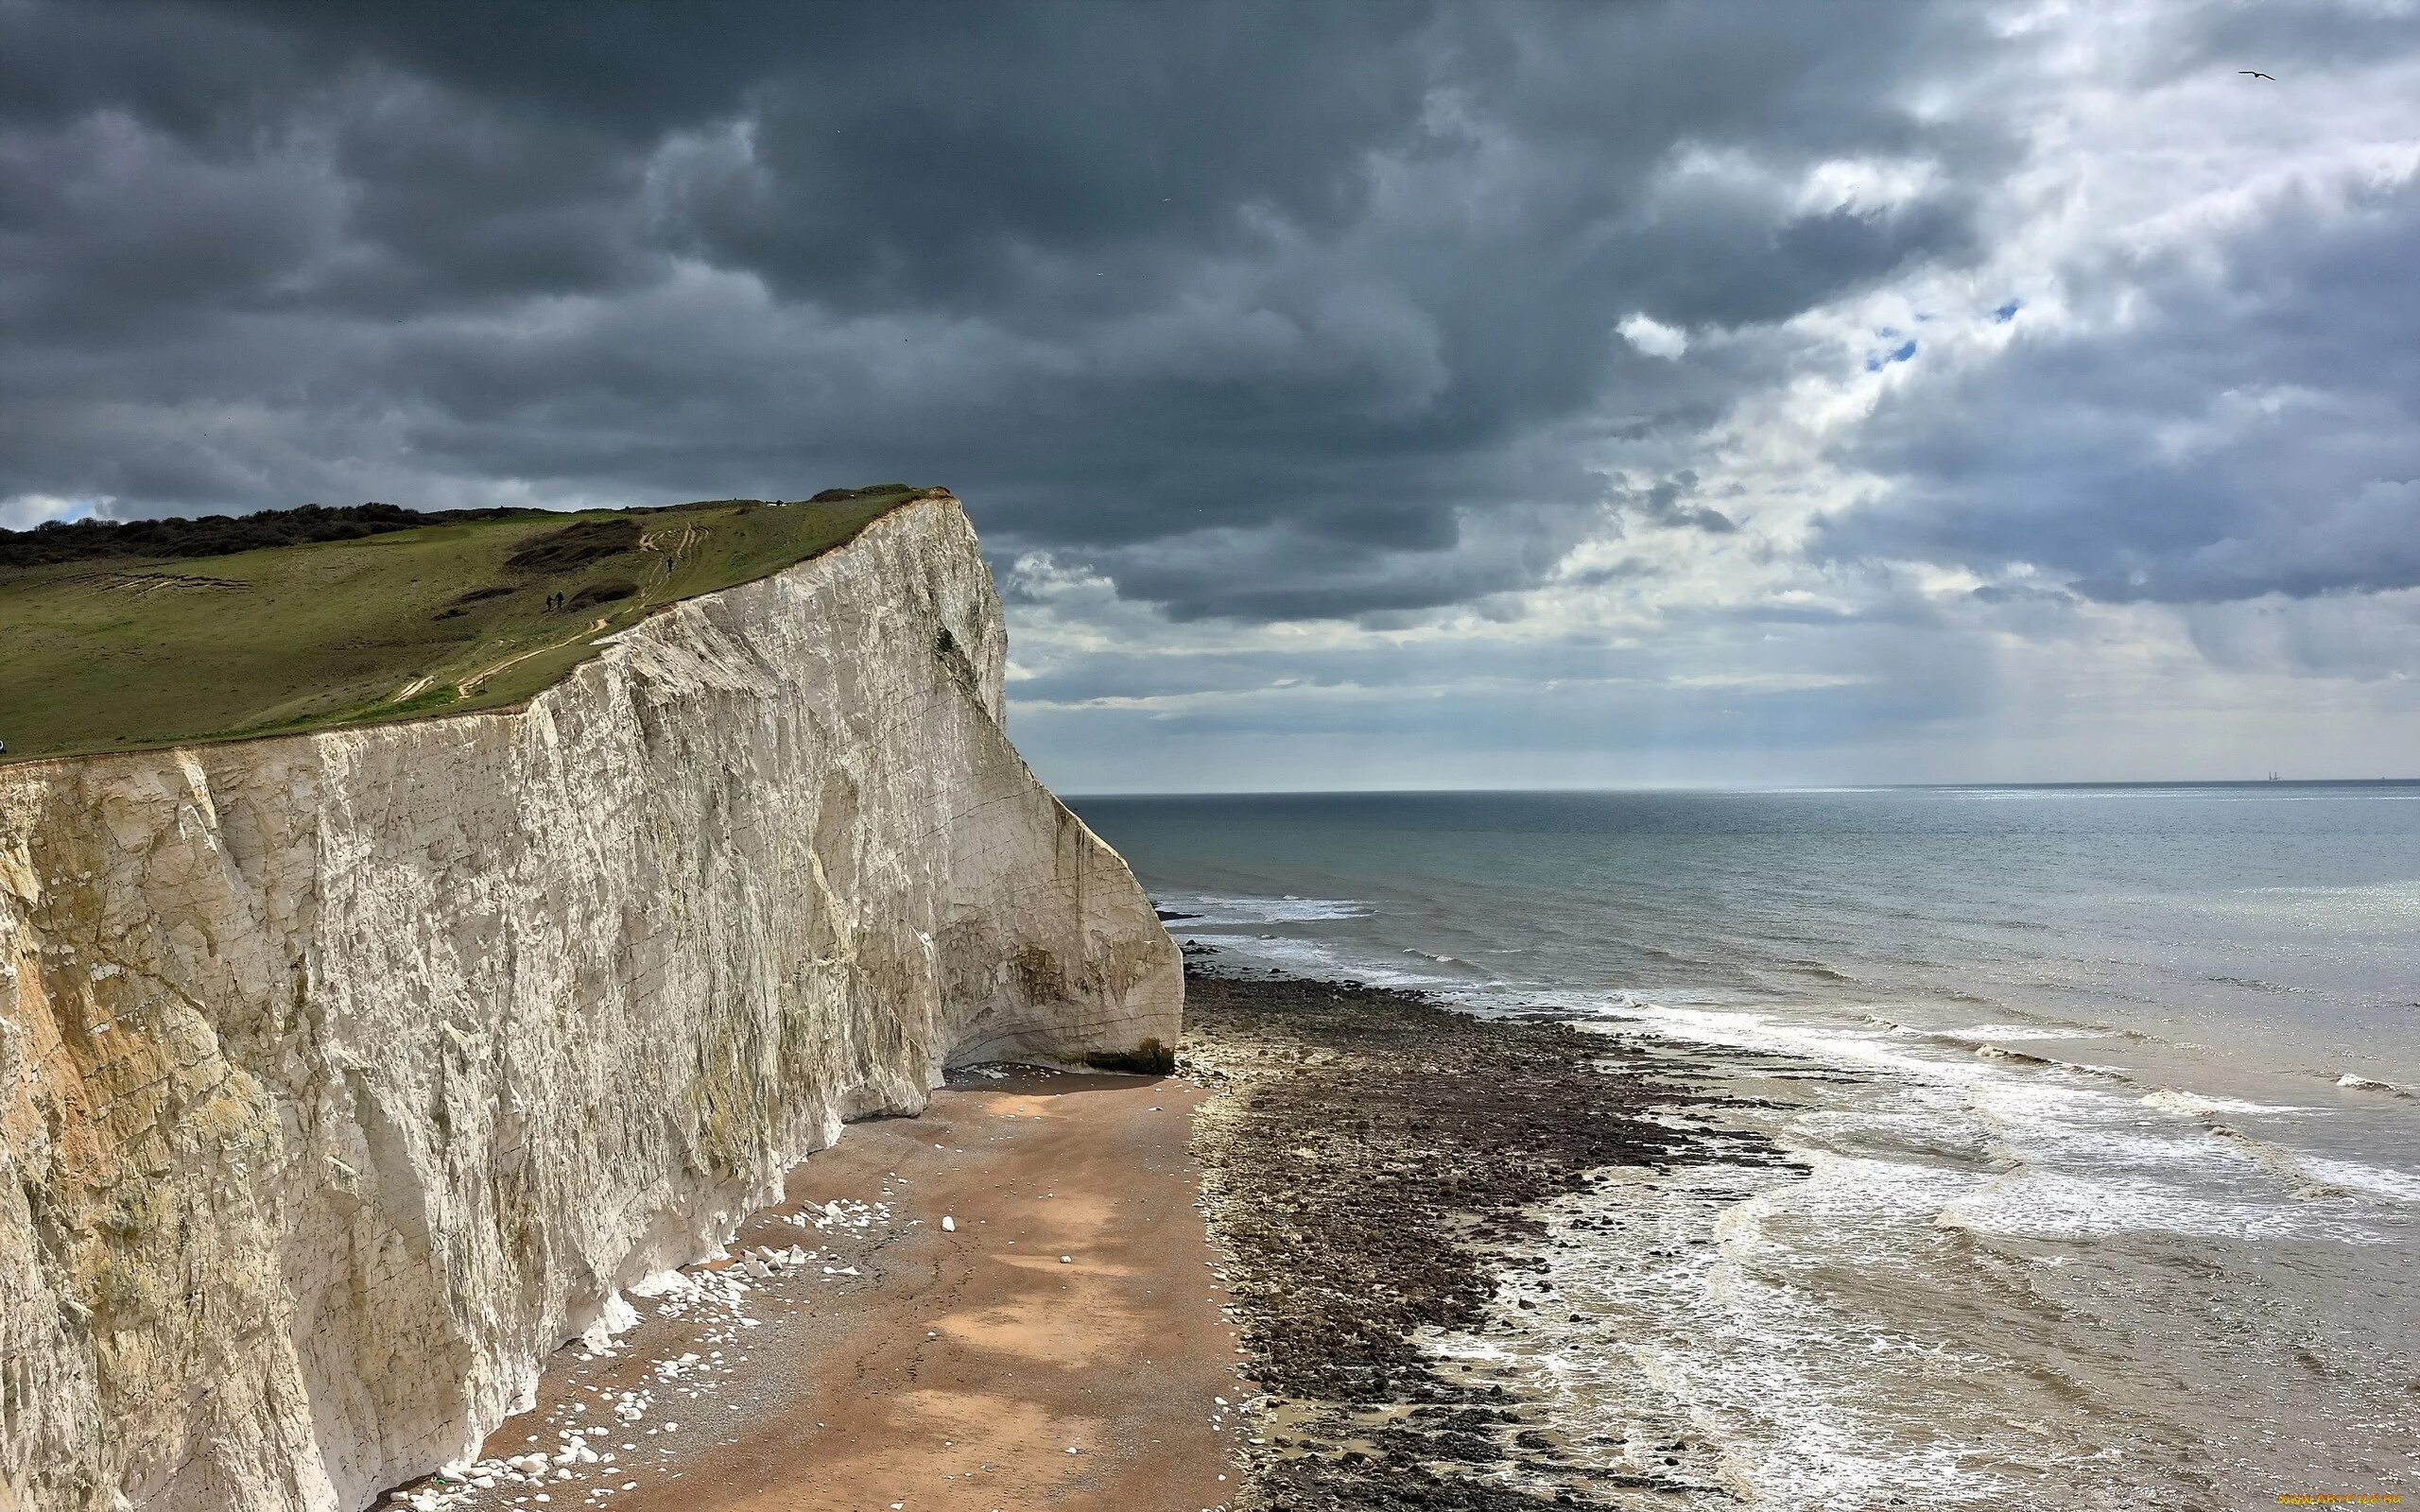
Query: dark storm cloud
point(1272, 314)
point(1287, 572)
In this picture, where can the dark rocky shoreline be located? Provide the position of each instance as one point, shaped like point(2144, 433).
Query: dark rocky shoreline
point(1374, 1165)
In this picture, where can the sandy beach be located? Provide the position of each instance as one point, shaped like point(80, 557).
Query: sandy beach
point(922, 1366)
point(1013, 1301)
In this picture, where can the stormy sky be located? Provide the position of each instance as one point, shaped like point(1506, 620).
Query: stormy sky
point(1382, 394)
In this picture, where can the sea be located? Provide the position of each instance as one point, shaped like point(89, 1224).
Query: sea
point(2101, 1105)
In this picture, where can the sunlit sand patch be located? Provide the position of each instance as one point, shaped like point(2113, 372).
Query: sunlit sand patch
point(983, 1429)
point(1036, 1332)
point(1012, 1105)
point(1073, 1266)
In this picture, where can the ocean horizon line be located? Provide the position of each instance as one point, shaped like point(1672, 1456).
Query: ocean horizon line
point(1610, 789)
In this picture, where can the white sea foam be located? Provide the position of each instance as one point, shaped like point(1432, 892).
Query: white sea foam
point(2355, 1082)
point(2066, 1205)
point(1723, 1359)
point(2081, 1162)
point(1990, 1274)
point(2194, 1105)
point(1316, 959)
point(1766, 1032)
point(1240, 910)
point(2372, 1180)
point(1984, 1033)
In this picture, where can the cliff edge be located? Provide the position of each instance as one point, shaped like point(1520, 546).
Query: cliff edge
point(344, 1076)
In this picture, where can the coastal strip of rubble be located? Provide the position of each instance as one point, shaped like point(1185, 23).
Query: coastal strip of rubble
point(1377, 1168)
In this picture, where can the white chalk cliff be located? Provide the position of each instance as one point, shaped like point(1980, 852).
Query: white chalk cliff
point(344, 1076)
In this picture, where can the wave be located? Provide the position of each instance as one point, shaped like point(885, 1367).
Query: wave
point(1959, 1055)
point(1818, 970)
point(1985, 1042)
point(2374, 1180)
point(2251, 984)
point(2053, 1204)
point(1209, 910)
point(2311, 1177)
point(1982, 1034)
point(2279, 1161)
point(2315, 1178)
point(2022, 1058)
point(2193, 1104)
point(2354, 1081)
point(2068, 1162)
point(2087, 1068)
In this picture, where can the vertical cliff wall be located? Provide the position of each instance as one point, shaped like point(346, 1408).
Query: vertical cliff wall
point(343, 1076)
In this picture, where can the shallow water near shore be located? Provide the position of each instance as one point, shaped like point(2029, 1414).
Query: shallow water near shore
point(2107, 1188)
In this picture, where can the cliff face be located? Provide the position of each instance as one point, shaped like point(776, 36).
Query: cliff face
point(344, 1076)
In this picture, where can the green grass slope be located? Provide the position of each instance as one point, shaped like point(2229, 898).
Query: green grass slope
point(124, 653)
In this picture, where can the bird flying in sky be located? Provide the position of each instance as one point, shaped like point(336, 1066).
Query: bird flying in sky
point(2253, 72)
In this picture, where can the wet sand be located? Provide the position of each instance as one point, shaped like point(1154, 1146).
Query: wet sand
point(954, 1369)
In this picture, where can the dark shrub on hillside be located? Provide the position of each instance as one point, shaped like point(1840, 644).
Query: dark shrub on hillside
point(844, 495)
point(219, 535)
point(576, 545)
point(602, 594)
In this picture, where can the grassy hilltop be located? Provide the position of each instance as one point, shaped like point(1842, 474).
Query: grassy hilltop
point(147, 636)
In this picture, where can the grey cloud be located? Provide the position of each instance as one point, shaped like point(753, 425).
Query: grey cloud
point(2255, 429)
point(1145, 673)
point(2375, 637)
point(2294, 43)
point(1628, 569)
point(118, 237)
point(1748, 683)
point(1120, 275)
point(1293, 317)
point(26, 513)
point(2019, 593)
point(1575, 716)
point(1665, 504)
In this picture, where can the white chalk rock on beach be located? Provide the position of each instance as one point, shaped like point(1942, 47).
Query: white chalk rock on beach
point(345, 1076)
